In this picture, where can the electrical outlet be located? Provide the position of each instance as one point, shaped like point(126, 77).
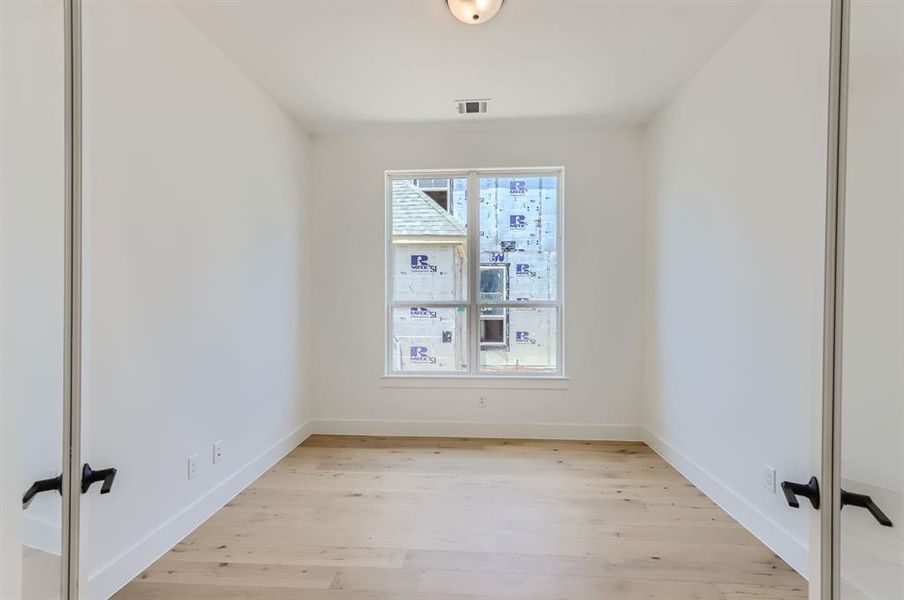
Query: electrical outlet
point(768, 478)
point(192, 466)
point(482, 403)
point(217, 451)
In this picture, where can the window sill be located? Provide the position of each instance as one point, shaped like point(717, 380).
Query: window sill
point(519, 382)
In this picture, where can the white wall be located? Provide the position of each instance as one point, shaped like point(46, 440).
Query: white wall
point(31, 285)
point(736, 175)
point(603, 264)
point(196, 282)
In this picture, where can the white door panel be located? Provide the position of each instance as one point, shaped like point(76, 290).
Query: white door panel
point(872, 391)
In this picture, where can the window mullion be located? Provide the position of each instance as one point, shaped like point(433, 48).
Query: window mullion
point(474, 270)
point(522, 304)
point(431, 303)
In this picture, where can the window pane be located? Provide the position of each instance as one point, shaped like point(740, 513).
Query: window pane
point(492, 332)
point(429, 240)
point(493, 327)
point(493, 283)
point(429, 339)
point(530, 343)
point(518, 231)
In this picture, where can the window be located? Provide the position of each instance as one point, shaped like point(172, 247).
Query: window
point(493, 283)
point(437, 189)
point(493, 321)
point(473, 285)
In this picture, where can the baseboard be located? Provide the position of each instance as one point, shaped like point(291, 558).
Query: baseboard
point(41, 535)
point(107, 580)
point(753, 519)
point(543, 431)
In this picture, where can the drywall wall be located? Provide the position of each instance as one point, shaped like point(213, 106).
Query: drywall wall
point(736, 186)
point(32, 183)
point(195, 282)
point(602, 270)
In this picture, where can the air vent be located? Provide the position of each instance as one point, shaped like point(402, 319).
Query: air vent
point(471, 107)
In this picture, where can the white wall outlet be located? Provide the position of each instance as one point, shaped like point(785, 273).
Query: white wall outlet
point(768, 478)
point(217, 451)
point(482, 403)
point(192, 466)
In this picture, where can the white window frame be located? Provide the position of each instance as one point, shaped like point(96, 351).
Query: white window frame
point(472, 301)
point(482, 268)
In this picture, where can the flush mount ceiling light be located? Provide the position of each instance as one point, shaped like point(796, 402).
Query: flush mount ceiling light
point(474, 12)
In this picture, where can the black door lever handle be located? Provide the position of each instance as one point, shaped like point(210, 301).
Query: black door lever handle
point(90, 476)
point(809, 490)
point(43, 485)
point(864, 501)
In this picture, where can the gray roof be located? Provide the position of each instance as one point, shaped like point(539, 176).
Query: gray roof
point(415, 213)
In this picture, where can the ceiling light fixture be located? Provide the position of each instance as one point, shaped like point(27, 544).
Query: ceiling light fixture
point(474, 12)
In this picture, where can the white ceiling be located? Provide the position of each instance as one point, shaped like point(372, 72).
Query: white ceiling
point(334, 63)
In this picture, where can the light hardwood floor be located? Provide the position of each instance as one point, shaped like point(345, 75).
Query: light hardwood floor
point(371, 518)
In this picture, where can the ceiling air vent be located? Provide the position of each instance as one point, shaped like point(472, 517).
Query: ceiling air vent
point(471, 107)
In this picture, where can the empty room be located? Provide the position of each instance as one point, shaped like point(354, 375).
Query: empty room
point(452, 299)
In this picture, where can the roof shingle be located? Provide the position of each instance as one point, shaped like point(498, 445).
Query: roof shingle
point(415, 213)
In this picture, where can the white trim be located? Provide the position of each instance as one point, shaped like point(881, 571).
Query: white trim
point(389, 269)
point(825, 527)
point(107, 580)
point(520, 304)
point(536, 382)
point(402, 240)
point(42, 535)
point(458, 173)
point(479, 429)
point(792, 550)
point(72, 319)
point(560, 271)
point(474, 327)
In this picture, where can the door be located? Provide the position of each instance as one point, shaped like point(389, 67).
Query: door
point(870, 526)
point(33, 298)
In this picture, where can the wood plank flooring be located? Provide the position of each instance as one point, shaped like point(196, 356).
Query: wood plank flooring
point(371, 518)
